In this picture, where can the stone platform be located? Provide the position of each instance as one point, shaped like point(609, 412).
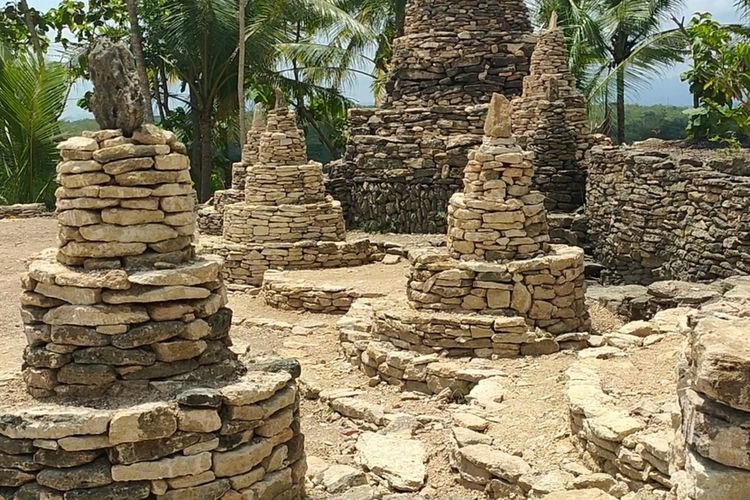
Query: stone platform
point(179, 440)
point(285, 290)
point(88, 330)
point(246, 263)
point(547, 291)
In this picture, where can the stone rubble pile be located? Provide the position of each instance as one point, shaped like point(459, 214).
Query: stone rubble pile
point(285, 220)
point(404, 160)
point(657, 213)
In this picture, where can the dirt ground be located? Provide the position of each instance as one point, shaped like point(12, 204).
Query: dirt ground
point(532, 422)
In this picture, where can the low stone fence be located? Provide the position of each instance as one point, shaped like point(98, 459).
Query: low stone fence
point(245, 264)
point(547, 291)
point(284, 223)
point(23, 211)
point(241, 440)
point(282, 292)
point(210, 222)
point(668, 214)
point(618, 442)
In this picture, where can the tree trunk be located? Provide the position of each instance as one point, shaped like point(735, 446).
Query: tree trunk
point(140, 60)
point(207, 155)
point(195, 160)
point(620, 106)
point(241, 73)
point(35, 42)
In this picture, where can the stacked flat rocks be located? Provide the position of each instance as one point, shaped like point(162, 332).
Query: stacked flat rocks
point(211, 216)
point(713, 440)
point(23, 211)
point(550, 119)
point(656, 213)
point(124, 201)
point(240, 440)
point(286, 219)
point(499, 259)
point(123, 300)
point(404, 161)
point(498, 290)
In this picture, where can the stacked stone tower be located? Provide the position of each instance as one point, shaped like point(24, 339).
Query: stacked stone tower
point(500, 289)
point(128, 341)
point(211, 217)
point(500, 260)
point(550, 120)
point(404, 161)
point(286, 221)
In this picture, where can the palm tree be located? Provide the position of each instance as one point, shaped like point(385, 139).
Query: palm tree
point(32, 98)
point(136, 40)
point(618, 40)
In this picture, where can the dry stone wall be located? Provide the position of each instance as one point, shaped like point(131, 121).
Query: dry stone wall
point(242, 440)
point(658, 213)
point(23, 211)
point(712, 442)
point(404, 160)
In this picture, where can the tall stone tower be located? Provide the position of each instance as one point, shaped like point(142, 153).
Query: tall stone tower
point(405, 160)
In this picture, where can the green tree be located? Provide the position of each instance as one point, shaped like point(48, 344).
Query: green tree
point(32, 98)
point(719, 78)
point(616, 45)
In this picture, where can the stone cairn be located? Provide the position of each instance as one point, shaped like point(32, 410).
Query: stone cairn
point(286, 220)
point(128, 334)
point(498, 290)
point(211, 216)
point(712, 452)
point(404, 161)
point(550, 120)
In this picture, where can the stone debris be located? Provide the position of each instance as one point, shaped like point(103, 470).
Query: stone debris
point(397, 460)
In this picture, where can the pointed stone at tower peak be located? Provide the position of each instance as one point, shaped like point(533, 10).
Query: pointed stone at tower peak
point(259, 116)
point(498, 123)
point(552, 21)
point(280, 100)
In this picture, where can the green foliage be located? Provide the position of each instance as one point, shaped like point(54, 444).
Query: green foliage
point(661, 122)
point(32, 98)
point(720, 78)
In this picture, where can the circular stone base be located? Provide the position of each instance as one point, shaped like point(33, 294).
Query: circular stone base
point(316, 291)
point(177, 442)
point(89, 330)
point(246, 263)
point(548, 292)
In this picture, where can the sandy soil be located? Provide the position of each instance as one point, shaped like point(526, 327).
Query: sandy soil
point(532, 422)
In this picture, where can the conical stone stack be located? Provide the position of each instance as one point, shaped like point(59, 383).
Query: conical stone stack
point(286, 221)
point(500, 261)
point(550, 120)
point(123, 300)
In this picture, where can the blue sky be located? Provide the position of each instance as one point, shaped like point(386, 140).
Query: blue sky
point(665, 89)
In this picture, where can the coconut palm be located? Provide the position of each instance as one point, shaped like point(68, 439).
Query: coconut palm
point(32, 98)
point(618, 44)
